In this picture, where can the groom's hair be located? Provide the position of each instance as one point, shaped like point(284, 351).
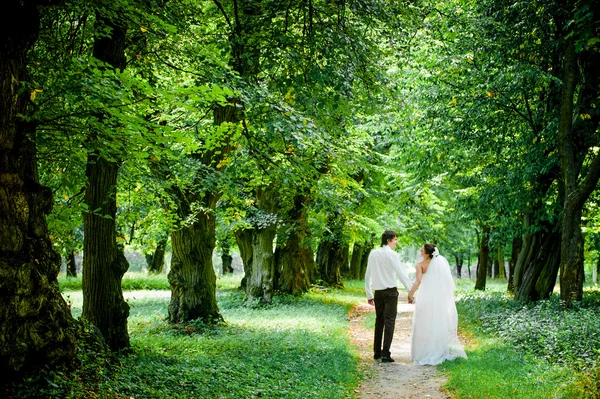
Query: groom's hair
point(386, 236)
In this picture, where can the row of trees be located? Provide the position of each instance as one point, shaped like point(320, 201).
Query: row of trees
point(311, 125)
point(510, 108)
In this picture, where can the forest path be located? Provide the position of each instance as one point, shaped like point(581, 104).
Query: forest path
point(398, 380)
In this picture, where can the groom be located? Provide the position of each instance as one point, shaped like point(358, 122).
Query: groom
point(383, 268)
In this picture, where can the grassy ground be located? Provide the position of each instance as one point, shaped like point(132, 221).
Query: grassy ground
point(294, 348)
point(521, 350)
point(299, 348)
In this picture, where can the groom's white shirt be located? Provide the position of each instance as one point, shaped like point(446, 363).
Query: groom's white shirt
point(383, 268)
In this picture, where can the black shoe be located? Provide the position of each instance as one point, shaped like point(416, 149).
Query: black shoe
point(377, 357)
point(387, 360)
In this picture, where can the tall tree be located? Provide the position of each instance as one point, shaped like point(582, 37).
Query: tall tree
point(577, 133)
point(36, 324)
point(104, 262)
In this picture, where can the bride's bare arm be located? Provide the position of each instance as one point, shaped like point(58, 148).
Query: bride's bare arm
point(417, 282)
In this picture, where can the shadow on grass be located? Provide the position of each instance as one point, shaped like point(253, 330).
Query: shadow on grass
point(294, 348)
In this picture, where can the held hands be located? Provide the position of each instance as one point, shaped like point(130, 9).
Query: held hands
point(371, 302)
point(411, 299)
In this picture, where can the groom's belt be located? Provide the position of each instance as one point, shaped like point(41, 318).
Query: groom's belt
point(390, 288)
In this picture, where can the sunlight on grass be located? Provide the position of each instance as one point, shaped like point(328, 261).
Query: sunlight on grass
point(294, 348)
point(497, 371)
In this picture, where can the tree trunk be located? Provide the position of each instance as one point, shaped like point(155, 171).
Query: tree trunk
point(493, 264)
point(243, 239)
point(104, 262)
point(71, 265)
point(262, 279)
point(501, 268)
point(365, 259)
point(227, 260)
point(330, 260)
point(157, 260)
point(577, 188)
point(469, 263)
point(540, 271)
point(35, 322)
point(597, 276)
point(459, 263)
point(517, 242)
point(355, 261)
point(192, 277)
point(295, 260)
point(482, 264)
point(528, 244)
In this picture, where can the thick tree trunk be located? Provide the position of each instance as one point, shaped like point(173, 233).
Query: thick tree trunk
point(355, 261)
point(577, 188)
point(295, 260)
point(529, 243)
point(71, 265)
point(482, 264)
point(330, 260)
point(35, 322)
point(226, 261)
point(192, 277)
point(156, 261)
point(540, 271)
point(262, 279)
point(517, 243)
point(243, 239)
point(104, 262)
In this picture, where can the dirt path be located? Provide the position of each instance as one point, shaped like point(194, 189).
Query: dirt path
point(397, 380)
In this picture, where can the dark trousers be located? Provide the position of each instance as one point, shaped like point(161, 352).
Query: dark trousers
point(386, 307)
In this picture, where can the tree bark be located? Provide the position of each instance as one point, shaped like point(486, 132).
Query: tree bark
point(577, 188)
point(262, 279)
point(227, 260)
point(541, 269)
point(295, 260)
point(459, 263)
point(71, 265)
point(482, 265)
point(35, 322)
point(156, 261)
point(104, 262)
point(355, 261)
point(243, 239)
point(192, 277)
point(365, 259)
point(330, 260)
point(517, 242)
point(501, 268)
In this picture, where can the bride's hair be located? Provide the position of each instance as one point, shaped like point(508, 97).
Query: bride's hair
point(429, 248)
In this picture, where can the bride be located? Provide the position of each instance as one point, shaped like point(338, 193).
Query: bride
point(434, 336)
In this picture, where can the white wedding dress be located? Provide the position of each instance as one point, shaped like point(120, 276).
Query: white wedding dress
point(435, 320)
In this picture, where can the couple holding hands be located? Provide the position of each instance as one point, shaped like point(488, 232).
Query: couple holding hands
point(435, 320)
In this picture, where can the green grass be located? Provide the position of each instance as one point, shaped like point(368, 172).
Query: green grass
point(294, 348)
point(518, 350)
point(131, 281)
point(299, 347)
